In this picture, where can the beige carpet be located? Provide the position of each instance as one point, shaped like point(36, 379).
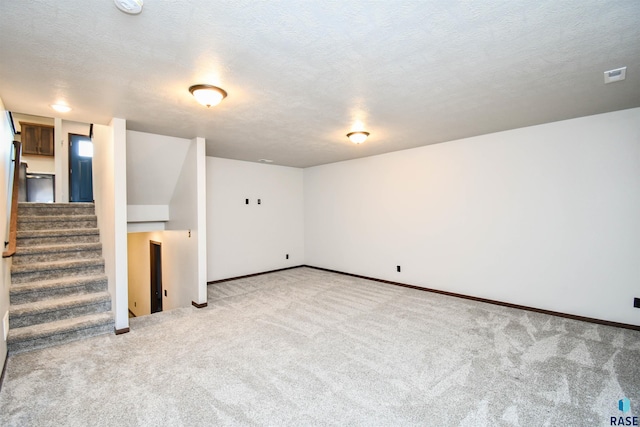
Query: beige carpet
point(307, 347)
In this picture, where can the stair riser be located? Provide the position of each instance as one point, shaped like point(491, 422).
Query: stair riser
point(55, 256)
point(57, 339)
point(55, 225)
point(57, 240)
point(31, 276)
point(31, 211)
point(63, 313)
point(18, 297)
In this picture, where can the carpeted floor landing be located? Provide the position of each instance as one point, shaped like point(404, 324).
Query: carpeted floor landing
point(305, 347)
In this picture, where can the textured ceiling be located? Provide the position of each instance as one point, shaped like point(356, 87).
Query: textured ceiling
point(300, 74)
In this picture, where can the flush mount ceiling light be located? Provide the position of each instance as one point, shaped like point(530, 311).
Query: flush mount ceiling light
point(208, 95)
point(61, 108)
point(132, 7)
point(358, 137)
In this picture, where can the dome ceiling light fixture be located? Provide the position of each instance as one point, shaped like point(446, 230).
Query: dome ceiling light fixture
point(61, 108)
point(131, 7)
point(208, 95)
point(358, 137)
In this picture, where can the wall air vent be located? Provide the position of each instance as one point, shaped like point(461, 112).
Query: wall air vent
point(615, 75)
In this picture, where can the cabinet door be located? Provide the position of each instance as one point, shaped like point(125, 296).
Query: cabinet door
point(46, 141)
point(30, 138)
point(37, 139)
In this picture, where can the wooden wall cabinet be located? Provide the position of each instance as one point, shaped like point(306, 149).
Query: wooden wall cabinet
point(37, 139)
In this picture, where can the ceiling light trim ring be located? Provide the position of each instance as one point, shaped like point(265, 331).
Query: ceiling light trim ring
point(199, 87)
point(131, 7)
point(358, 137)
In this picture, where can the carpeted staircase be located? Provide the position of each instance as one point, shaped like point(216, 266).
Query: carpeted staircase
point(58, 286)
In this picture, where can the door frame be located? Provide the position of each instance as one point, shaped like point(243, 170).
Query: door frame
point(155, 265)
point(70, 153)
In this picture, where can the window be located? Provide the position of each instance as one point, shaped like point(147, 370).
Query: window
point(85, 148)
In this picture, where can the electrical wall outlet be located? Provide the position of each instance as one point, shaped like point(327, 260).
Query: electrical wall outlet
point(636, 302)
point(398, 268)
point(287, 256)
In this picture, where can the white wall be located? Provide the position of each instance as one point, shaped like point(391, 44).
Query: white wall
point(177, 270)
point(110, 194)
point(28, 118)
point(201, 207)
point(165, 191)
point(545, 216)
point(62, 130)
point(146, 217)
point(154, 163)
point(245, 239)
point(139, 276)
point(146, 226)
point(187, 212)
point(62, 194)
point(180, 273)
point(183, 214)
point(38, 164)
point(146, 213)
point(6, 138)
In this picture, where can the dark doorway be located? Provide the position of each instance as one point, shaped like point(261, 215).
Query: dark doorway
point(156, 276)
point(80, 168)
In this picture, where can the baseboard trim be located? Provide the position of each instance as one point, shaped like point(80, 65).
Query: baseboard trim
point(122, 331)
point(213, 282)
point(132, 313)
point(490, 301)
point(196, 305)
point(4, 369)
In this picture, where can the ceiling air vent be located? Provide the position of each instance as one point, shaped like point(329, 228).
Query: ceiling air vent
point(615, 75)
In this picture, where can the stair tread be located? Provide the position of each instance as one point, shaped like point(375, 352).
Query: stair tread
point(55, 283)
point(55, 205)
point(45, 218)
point(60, 303)
point(59, 326)
point(58, 232)
point(60, 247)
point(56, 265)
